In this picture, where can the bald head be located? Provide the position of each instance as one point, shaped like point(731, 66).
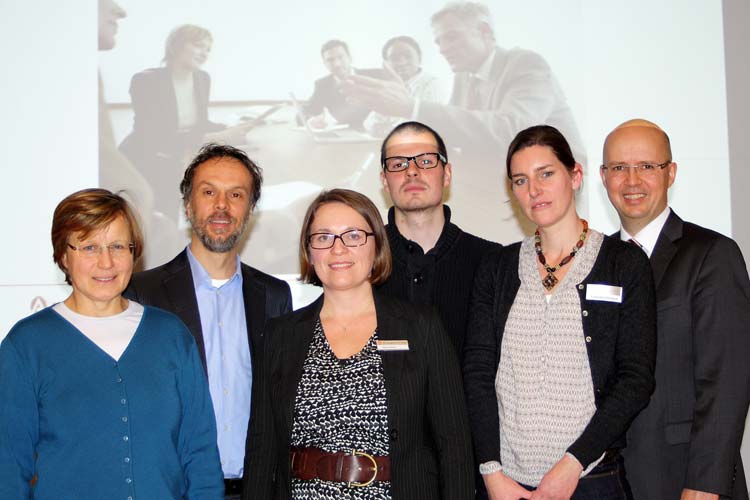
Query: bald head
point(638, 129)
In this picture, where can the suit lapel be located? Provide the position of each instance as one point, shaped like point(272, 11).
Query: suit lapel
point(287, 368)
point(666, 247)
point(180, 291)
point(391, 326)
point(254, 298)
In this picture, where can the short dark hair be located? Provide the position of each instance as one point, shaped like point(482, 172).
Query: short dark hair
point(413, 127)
point(401, 39)
point(383, 264)
point(85, 212)
point(209, 152)
point(332, 44)
point(541, 135)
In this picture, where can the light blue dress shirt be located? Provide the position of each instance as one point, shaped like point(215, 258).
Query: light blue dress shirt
point(230, 374)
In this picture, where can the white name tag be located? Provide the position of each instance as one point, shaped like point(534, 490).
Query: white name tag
point(392, 345)
point(606, 293)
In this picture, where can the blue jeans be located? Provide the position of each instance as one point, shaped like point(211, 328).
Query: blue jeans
point(605, 482)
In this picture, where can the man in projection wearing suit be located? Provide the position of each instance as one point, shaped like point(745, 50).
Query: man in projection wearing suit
point(327, 101)
point(686, 443)
point(223, 302)
point(497, 92)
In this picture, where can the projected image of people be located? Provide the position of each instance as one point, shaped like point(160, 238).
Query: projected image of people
point(170, 105)
point(328, 105)
point(496, 91)
point(402, 58)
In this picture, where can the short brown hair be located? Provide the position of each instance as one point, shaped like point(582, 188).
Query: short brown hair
point(87, 211)
point(381, 267)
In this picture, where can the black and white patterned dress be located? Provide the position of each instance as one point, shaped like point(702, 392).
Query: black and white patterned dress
point(341, 405)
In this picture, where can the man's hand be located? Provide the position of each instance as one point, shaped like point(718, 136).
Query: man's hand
point(560, 481)
point(501, 487)
point(387, 97)
point(688, 494)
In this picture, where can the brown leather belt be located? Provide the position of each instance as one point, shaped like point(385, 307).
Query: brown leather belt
point(355, 468)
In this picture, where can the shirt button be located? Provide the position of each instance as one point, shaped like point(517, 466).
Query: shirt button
point(124, 419)
point(418, 278)
point(580, 286)
point(585, 313)
point(221, 324)
point(226, 427)
point(588, 339)
point(119, 380)
point(128, 480)
point(126, 460)
point(123, 401)
point(130, 498)
point(125, 438)
point(226, 392)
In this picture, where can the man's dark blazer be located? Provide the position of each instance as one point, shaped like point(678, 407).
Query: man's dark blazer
point(327, 95)
point(171, 287)
point(430, 446)
point(690, 434)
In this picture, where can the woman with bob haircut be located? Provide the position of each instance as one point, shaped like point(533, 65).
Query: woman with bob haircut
point(360, 393)
point(103, 397)
point(560, 346)
point(170, 114)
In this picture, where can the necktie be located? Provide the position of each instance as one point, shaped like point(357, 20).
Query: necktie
point(474, 97)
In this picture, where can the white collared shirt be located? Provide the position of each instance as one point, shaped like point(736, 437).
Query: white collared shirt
point(648, 236)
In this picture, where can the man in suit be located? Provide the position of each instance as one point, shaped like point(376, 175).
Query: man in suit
point(686, 443)
point(223, 302)
point(497, 92)
point(327, 101)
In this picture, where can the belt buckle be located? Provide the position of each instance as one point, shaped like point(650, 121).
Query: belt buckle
point(356, 453)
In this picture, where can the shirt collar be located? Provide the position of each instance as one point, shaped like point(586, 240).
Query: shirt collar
point(399, 243)
point(201, 278)
point(648, 236)
point(483, 73)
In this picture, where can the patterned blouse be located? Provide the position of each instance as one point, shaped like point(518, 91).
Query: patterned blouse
point(341, 405)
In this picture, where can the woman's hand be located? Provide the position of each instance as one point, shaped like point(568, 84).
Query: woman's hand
point(501, 487)
point(560, 481)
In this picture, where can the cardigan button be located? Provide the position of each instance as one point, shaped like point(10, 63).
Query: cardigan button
point(580, 286)
point(394, 434)
point(585, 313)
point(588, 339)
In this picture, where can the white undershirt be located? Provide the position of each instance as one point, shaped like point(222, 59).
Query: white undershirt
point(187, 112)
point(649, 235)
point(111, 334)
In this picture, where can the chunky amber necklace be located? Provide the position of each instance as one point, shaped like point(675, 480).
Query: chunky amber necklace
point(551, 280)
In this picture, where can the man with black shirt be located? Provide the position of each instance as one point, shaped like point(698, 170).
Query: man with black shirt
point(434, 261)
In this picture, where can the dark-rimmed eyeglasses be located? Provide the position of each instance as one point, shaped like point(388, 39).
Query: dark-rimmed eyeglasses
point(424, 161)
point(351, 238)
point(642, 169)
point(115, 249)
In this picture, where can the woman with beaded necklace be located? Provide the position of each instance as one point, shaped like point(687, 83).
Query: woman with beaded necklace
point(561, 341)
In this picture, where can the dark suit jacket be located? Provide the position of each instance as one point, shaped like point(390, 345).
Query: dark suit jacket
point(156, 138)
point(170, 287)
point(690, 434)
point(327, 95)
point(430, 446)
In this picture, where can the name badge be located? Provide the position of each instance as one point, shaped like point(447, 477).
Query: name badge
point(392, 345)
point(606, 293)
